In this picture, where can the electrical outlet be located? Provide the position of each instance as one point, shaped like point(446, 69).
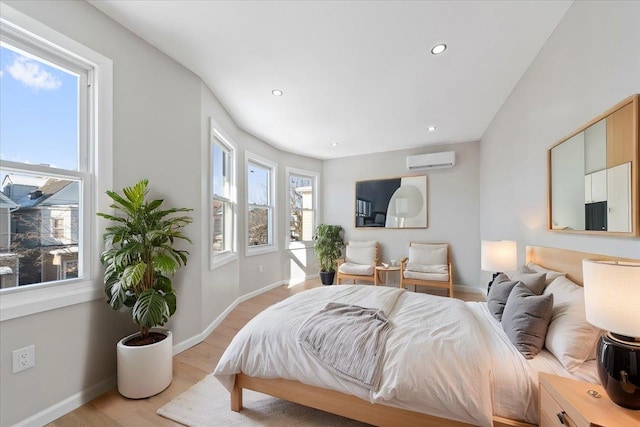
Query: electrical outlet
point(24, 358)
point(260, 268)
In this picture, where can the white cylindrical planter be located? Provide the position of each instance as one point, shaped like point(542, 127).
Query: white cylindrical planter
point(146, 370)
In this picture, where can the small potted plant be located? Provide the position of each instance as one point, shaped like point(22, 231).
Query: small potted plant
point(139, 258)
point(328, 245)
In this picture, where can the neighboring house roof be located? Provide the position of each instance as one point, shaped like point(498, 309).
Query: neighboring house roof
point(43, 193)
point(6, 202)
point(33, 181)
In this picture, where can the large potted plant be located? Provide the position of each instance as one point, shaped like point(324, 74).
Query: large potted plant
point(328, 245)
point(139, 258)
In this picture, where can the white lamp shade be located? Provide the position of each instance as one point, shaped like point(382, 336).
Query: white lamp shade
point(498, 256)
point(612, 296)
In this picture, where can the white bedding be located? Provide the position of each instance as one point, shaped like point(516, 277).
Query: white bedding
point(443, 357)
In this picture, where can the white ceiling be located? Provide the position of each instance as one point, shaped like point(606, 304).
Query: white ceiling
point(358, 73)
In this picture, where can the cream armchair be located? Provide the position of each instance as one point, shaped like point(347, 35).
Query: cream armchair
point(359, 262)
point(429, 264)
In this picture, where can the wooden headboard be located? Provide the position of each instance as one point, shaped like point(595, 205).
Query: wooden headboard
point(565, 260)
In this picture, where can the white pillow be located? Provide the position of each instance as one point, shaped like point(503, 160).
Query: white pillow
point(361, 254)
point(551, 274)
point(356, 244)
point(427, 256)
point(570, 338)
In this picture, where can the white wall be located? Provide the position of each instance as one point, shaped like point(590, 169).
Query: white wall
point(220, 287)
point(161, 132)
point(590, 63)
point(453, 204)
point(156, 109)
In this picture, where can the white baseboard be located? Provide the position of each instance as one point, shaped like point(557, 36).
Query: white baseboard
point(77, 400)
point(69, 404)
point(197, 339)
point(472, 289)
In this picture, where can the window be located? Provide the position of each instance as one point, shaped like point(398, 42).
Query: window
point(45, 138)
point(223, 189)
point(58, 228)
point(55, 133)
point(302, 190)
point(261, 175)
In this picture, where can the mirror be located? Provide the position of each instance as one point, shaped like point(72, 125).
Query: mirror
point(593, 175)
point(392, 203)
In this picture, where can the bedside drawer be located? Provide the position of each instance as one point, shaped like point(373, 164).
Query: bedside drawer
point(551, 413)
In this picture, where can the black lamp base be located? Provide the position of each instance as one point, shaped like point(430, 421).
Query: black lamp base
point(619, 369)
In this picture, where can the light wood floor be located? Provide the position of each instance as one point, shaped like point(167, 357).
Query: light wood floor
point(189, 367)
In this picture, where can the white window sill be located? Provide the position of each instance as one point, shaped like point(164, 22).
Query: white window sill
point(218, 261)
point(260, 250)
point(306, 244)
point(37, 300)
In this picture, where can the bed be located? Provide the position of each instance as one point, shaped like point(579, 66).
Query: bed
point(463, 372)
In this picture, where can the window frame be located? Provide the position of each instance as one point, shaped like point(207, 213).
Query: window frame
point(272, 206)
point(218, 136)
point(315, 176)
point(23, 31)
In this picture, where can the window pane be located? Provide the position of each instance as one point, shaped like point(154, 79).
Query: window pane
point(301, 192)
point(301, 197)
point(301, 225)
point(221, 172)
point(258, 184)
point(42, 231)
point(38, 111)
point(258, 226)
point(222, 226)
point(70, 269)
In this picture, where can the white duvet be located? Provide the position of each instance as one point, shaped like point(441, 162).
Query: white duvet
point(444, 357)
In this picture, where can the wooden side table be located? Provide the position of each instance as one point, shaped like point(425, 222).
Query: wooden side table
point(385, 270)
point(564, 402)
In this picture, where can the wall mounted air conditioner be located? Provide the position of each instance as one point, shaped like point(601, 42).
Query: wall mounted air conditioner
point(445, 159)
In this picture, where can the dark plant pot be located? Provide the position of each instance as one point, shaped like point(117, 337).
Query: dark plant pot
point(326, 277)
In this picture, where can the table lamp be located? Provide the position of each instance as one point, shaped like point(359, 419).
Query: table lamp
point(612, 303)
point(498, 256)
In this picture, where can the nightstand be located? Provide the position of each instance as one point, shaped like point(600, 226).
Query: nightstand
point(386, 270)
point(567, 403)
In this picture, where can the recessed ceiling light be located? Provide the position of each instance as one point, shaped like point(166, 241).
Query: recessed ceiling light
point(431, 128)
point(334, 144)
point(438, 49)
point(276, 92)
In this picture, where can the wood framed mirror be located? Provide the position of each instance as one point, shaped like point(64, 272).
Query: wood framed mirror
point(593, 175)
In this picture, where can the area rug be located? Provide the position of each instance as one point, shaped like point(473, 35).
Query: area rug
point(206, 404)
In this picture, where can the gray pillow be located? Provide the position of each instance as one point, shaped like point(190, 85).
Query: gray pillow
point(526, 318)
point(498, 295)
point(534, 281)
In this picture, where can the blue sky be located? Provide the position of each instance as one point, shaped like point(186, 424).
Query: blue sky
point(38, 112)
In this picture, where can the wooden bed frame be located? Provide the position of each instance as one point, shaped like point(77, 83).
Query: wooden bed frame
point(382, 415)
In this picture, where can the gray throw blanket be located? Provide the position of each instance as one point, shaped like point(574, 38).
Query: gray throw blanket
point(349, 340)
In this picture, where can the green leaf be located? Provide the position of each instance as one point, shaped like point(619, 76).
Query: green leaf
point(154, 204)
point(132, 274)
point(163, 284)
point(164, 263)
point(137, 193)
point(151, 309)
point(170, 297)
